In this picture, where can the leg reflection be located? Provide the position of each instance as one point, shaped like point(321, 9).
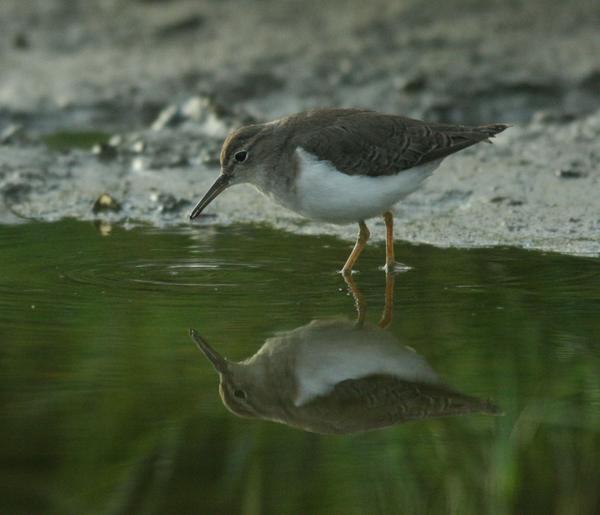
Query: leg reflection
point(386, 317)
point(361, 305)
point(359, 300)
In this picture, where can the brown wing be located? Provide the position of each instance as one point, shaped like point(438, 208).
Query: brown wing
point(368, 143)
point(380, 400)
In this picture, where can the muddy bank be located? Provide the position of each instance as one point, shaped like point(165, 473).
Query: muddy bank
point(133, 98)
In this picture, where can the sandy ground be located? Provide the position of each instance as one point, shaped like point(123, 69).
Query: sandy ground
point(168, 79)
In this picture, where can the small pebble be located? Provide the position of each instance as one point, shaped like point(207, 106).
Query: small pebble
point(170, 204)
point(509, 201)
point(115, 140)
point(104, 151)
point(105, 203)
point(570, 174)
point(9, 133)
point(21, 41)
point(412, 84)
point(138, 147)
point(183, 25)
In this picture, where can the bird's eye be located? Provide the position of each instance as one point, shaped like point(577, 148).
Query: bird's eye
point(241, 156)
point(240, 394)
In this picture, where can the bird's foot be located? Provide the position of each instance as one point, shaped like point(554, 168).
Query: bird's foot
point(395, 267)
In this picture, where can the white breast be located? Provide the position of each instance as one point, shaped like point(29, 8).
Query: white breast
point(325, 194)
point(331, 352)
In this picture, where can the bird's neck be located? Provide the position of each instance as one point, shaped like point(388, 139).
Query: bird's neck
point(277, 179)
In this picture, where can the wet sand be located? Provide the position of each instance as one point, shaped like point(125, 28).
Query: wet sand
point(166, 80)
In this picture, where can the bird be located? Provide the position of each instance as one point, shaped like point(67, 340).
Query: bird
point(334, 377)
point(341, 165)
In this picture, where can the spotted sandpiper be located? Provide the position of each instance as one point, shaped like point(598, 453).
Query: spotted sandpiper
point(331, 377)
point(341, 165)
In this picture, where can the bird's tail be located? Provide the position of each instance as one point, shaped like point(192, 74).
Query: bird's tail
point(492, 129)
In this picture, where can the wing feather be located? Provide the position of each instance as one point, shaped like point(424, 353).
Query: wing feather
point(368, 143)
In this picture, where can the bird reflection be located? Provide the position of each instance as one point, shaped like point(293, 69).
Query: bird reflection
point(336, 377)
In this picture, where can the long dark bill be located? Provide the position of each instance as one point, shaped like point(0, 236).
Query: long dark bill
point(219, 185)
point(218, 361)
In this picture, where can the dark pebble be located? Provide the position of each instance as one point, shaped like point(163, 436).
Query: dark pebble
point(187, 24)
point(413, 84)
point(104, 151)
point(170, 204)
point(15, 192)
point(570, 174)
point(509, 201)
point(21, 41)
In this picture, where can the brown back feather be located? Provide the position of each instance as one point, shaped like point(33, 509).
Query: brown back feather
point(367, 143)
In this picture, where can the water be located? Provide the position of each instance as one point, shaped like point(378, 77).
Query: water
point(106, 405)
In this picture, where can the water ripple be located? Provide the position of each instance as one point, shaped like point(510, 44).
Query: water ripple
point(153, 275)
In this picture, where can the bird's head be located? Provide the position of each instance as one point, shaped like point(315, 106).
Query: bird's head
point(242, 160)
point(235, 387)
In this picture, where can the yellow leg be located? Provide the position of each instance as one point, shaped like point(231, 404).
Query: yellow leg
point(361, 241)
point(386, 316)
point(359, 300)
point(390, 262)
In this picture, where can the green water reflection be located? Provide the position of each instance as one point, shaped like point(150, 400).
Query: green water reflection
point(67, 140)
point(106, 405)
